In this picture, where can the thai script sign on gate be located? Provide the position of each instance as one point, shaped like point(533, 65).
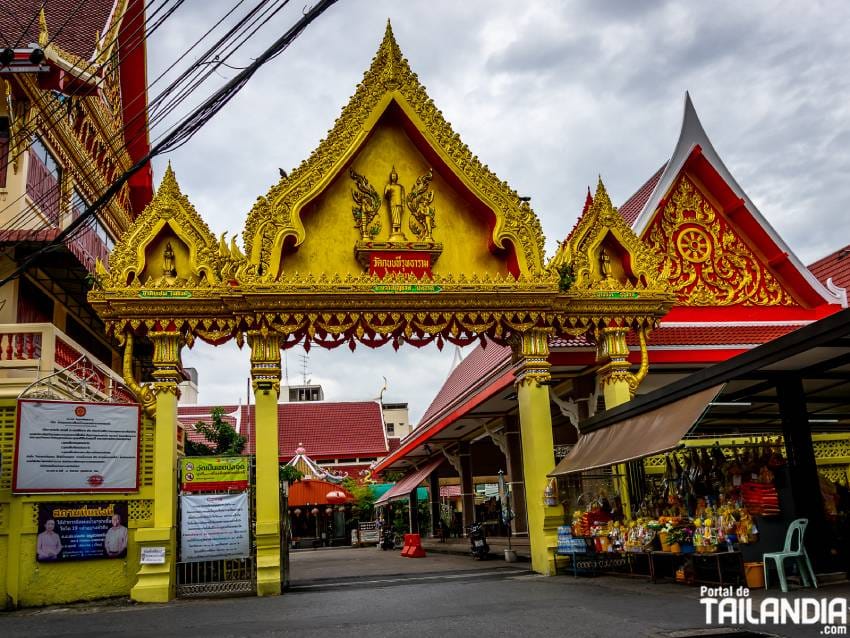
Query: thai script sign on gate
point(214, 527)
point(70, 446)
point(214, 473)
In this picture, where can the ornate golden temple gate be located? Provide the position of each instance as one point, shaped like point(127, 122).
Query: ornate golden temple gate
point(391, 233)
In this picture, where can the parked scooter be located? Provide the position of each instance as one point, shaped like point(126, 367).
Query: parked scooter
point(477, 541)
point(388, 539)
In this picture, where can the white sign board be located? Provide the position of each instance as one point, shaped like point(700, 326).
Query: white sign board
point(65, 446)
point(152, 556)
point(214, 527)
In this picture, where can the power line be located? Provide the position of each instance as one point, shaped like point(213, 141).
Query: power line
point(49, 117)
point(184, 131)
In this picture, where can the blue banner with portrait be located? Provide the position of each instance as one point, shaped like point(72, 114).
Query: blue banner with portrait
point(81, 531)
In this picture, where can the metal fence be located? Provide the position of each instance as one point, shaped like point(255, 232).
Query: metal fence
point(222, 576)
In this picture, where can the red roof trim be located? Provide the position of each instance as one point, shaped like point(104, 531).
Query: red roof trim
point(421, 437)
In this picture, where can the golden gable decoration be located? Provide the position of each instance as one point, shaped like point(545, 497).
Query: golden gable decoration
point(169, 246)
point(275, 220)
point(705, 262)
point(603, 254)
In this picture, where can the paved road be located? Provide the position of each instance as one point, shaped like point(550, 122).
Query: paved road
point(488, 599)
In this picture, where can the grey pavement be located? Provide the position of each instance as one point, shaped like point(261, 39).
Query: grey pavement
point(451, 596)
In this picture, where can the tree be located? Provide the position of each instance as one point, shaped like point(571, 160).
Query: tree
point(222, 439)
point(364, 500)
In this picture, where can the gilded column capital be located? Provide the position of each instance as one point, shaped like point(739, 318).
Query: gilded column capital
point(265, 360)
point(531, 356)
point(166, 360)
point(612, 353)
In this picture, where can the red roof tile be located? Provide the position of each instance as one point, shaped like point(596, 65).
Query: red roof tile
point(71, 24)
point(835, 266)
point(472, 371)
point(633, 205)
point(326, 430)
point(696, 335)
point(713, 335)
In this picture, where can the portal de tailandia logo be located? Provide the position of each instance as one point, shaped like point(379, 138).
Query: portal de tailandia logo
point(735, 606)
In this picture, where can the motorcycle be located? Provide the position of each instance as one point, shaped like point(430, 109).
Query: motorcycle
point(388, 539)
point(477, 541)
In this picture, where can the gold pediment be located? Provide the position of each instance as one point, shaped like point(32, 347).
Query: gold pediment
point(391, 122)
point(704, 260)
point(603, 253)
point(170, 246)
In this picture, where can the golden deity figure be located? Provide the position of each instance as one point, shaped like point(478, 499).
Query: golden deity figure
point(605, 265)
point(168, 266)
point(394, 194)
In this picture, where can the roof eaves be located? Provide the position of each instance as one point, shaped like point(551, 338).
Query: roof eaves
point(693, 134)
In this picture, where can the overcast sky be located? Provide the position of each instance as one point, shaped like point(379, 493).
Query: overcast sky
point(549, 95)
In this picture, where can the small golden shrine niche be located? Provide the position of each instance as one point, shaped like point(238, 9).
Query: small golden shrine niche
point(602, 253)
point(704, 260)
point(396, 254)
point(170, 247)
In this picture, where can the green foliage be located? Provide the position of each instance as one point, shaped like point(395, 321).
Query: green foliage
point(364, 500)
point(290, 474)
point(221, 438)
point(566, 277)
point(392, 477)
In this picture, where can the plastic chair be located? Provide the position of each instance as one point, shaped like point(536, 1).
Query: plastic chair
point(794, 548)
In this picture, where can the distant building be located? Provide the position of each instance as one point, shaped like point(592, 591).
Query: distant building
point(189, 388)
point(396, 423)
point(345, 438)
point(297, 393)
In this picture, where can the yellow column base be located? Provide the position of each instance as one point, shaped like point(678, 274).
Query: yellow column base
point(156, 583)
point(545, 538)
point(268, 559)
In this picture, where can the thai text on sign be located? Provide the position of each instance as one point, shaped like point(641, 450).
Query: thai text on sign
point(214, 527)
point(214, 473)
point(395, 263)
point(67, 446)
point(81, 531)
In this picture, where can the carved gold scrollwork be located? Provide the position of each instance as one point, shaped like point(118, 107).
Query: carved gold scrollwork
point(422, 214)
point(531, 356)
point(367, 202)
point(143, 392)
point(704, 260)
point(265, 360)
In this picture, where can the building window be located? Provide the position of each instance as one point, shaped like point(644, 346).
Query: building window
point(43, 181)
point(34, 306)
point(391, 429)
point(94, 240)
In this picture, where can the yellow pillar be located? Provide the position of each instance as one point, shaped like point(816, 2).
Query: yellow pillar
point(265, 373)
point(618, 386)
point(531, 353)
point(156, 583)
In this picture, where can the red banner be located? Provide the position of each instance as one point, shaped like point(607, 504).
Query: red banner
point(400, 262)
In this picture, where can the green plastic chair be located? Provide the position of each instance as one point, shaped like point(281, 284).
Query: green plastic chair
point(794, 548)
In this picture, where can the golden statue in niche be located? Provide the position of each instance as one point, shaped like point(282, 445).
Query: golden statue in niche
point(422, 213)
point(419, 200)
point(169, 268)
point(394, 194)
point(605, 265)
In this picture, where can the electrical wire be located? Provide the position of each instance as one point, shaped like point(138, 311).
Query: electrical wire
point(183, 132)
point(249, 29)
point(34, 214)
point(49, 116)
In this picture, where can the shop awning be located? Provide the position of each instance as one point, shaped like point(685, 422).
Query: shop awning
point(643, 435)
point(405, 486)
